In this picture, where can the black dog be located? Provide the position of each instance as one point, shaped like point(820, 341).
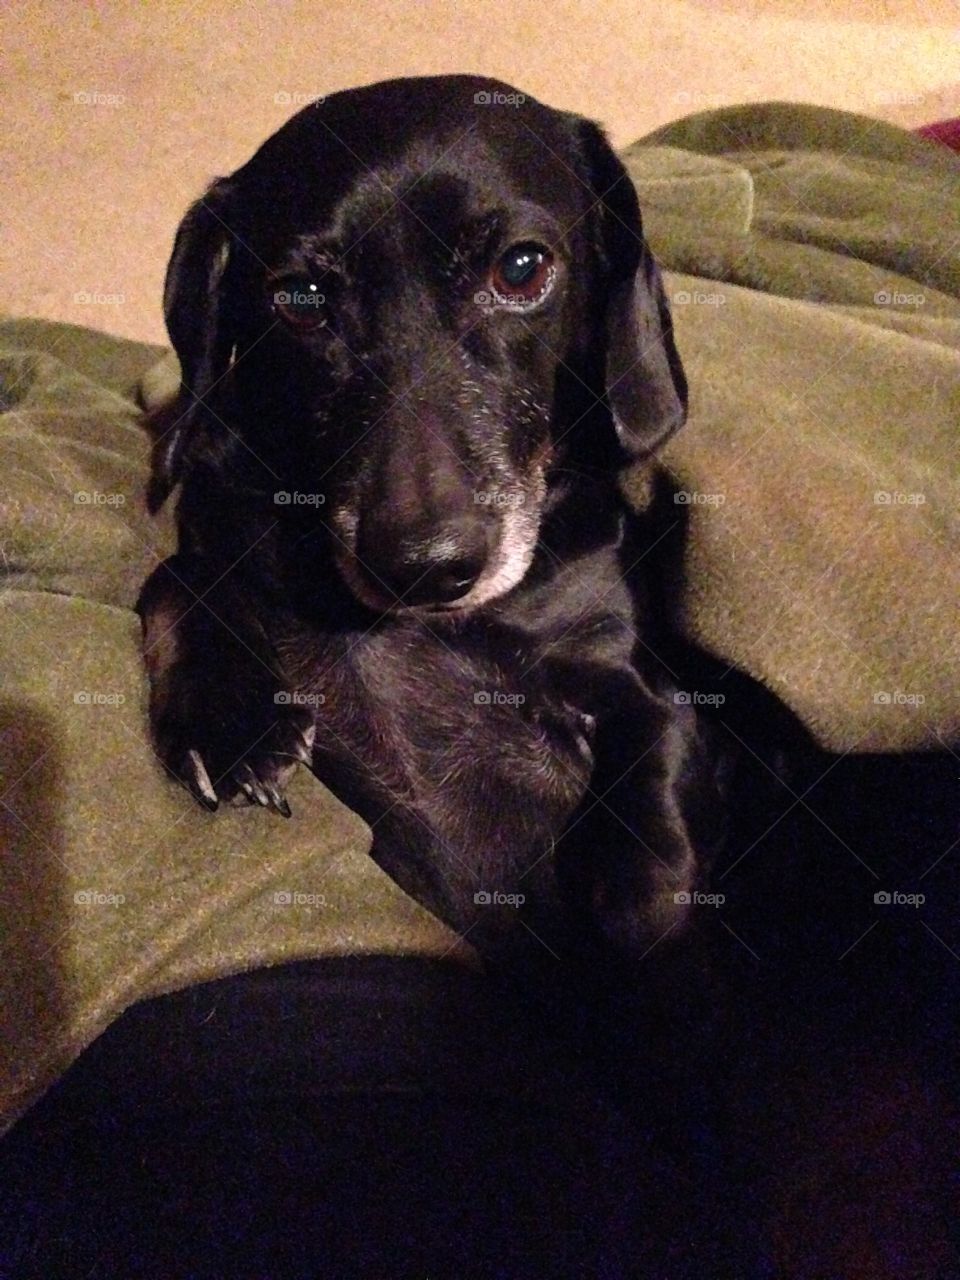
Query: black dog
point(420, 333)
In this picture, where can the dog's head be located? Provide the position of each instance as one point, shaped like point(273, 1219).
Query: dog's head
point(416, 304)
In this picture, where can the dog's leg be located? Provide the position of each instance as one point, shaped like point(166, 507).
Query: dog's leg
point(638, 850)
point(222, 719)
point(649, 988)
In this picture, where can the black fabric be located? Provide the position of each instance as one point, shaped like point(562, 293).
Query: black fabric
point(373, 1117)
point(401, 1117)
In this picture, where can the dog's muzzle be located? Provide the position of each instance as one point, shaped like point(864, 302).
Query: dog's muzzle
point(415, 570)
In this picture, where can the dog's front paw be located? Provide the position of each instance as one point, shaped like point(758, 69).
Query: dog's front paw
point(260, 775)
point(246, 753)
point(637, 907)
point(222, 722)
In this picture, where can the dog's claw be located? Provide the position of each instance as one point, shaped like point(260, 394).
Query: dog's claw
point(261, 791)
point(277, 799)
point(303, 748)
point(202, 766)
point(210, 805)
point(198, 780)
point(251, 785)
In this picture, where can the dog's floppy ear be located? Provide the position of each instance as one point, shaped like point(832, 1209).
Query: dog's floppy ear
point(644, 379)
point(196, 313)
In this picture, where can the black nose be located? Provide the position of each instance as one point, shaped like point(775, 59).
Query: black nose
point(436, 569)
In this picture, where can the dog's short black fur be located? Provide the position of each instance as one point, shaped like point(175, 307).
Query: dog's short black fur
point(420, 334)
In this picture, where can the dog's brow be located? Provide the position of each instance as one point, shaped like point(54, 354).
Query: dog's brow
point(476, 232)
point(319, 250)
point(324, 254)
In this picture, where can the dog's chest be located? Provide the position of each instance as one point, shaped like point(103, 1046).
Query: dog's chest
point(456, 726)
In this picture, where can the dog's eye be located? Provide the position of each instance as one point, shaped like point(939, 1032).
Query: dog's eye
point(523, 275)
point(299, 303)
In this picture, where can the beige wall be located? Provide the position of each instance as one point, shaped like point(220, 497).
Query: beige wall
point(95, 190)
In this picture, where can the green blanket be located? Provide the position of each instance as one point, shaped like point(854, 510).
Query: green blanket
point(818, 315)
point(817, 303)
point(114, 885)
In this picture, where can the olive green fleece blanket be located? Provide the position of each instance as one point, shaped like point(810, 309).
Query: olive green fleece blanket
point(815, 282)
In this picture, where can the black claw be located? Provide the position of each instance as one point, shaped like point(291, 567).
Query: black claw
point(197, 780)
point(251, 785)
point(277, 801)
point(211, 805)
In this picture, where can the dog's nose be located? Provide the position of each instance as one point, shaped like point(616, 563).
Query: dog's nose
point(435, 570)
